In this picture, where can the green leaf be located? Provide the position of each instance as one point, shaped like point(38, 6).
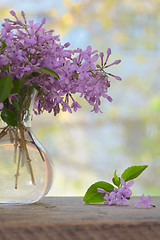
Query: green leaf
point(23, 80)
point(5, 87)
point(133, 172)
point(49, 71)
point(93, 196)
point(15, 104)
point(16, 86)
point(3, 45)
point(9, 117)
point(116, 180)
point(35, 74)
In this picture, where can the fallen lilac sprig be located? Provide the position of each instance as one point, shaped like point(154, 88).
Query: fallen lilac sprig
point(123, 194)
point(119, 192)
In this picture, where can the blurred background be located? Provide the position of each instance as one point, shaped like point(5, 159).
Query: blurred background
point(86, 147)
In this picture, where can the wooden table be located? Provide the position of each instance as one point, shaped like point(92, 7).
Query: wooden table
point(56, 218)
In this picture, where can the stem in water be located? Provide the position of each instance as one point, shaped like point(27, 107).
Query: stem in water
point(23, 145)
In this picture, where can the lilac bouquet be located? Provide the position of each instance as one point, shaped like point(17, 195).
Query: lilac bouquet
point(35, 65)
point(31, 57)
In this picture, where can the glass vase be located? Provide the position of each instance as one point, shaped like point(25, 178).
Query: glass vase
point(26, 171)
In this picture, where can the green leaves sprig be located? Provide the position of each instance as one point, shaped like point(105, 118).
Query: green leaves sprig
point(93, 196)
point(9, 86)
point(5, 87)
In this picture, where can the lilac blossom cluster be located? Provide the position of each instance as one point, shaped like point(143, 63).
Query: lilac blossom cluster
point(122, 196)
point(118, 196)
point(29, 47)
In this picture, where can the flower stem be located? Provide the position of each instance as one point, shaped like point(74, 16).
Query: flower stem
point(19, 140)
point(10, 134)
point(152, 205)
point(15, 144)
point(4, 132)
point(18, 165)
point(23, 145)
point(36, 145)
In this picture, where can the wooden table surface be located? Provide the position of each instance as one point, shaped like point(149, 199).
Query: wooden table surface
point(70, 218)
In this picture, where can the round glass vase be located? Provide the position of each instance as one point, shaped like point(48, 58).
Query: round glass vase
point(26, 172)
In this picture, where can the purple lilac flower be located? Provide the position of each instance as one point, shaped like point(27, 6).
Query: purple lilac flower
point(110, 198)
point(100, 190)
point(123, 200)
point(124, 192)
point(144, 201)
point(75, 105)
point(125, 188)
point(30, 47)
point(12, 97)
point(108, 54)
